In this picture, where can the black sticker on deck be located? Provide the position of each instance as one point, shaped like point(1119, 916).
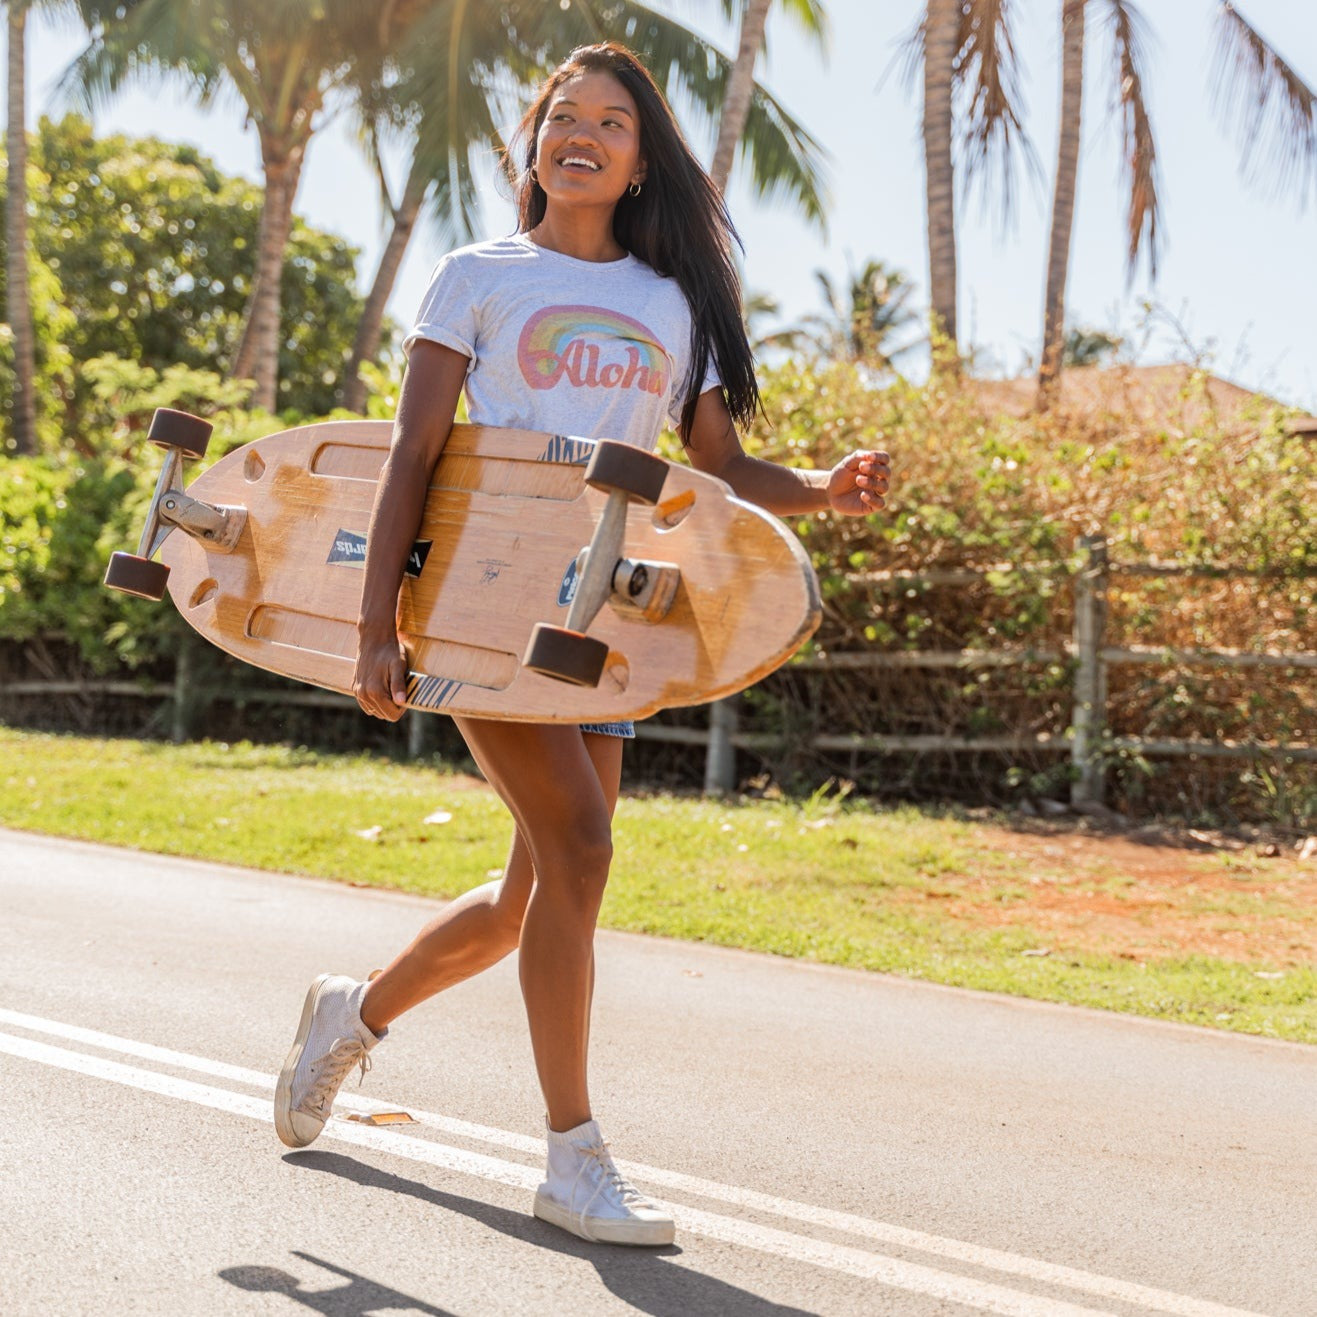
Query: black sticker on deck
point(349, 550)
point(430, 692)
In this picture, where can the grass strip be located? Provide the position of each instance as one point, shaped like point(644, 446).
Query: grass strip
point(839, 883)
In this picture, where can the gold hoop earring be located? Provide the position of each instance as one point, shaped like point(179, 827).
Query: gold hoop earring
point(634, 189)
point(534, 175)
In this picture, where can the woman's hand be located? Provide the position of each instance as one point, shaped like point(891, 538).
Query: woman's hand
point(857, 485)
point(380, 680)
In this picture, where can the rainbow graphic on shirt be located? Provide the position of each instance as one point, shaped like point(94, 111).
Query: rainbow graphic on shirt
point(587, 347)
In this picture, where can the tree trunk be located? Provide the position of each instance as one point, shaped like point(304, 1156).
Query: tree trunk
point(257, 357)
point(941, 39)
point(19, 310)
point(372, 317)
point(1063, 200)
point(740, 88)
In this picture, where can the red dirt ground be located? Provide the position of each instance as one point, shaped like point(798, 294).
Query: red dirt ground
point(1142, 896)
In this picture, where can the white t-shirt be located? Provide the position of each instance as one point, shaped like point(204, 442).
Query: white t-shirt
point(599, 350)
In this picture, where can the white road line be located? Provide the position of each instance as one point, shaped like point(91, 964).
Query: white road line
point(851, 1261)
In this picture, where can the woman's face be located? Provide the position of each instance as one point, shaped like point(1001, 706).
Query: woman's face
point(588, 149)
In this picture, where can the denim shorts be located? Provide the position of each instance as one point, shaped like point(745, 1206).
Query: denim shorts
point(624, 729)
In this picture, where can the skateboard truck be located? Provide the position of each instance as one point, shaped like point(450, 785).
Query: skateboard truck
point(640, 587)
point(626, 474)
point(180, 435)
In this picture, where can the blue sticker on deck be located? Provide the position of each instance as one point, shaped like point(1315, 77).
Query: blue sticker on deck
point(567, 590)
point(349, 550)
point(573, 452)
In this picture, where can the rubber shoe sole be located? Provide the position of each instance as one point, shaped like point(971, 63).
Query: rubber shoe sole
point(286, 1120)
point(607, 1230)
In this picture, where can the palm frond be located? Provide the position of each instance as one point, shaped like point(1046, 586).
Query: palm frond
point(138, 46)
point(446, 84)
point(808, 15)
point(1139, 147)
point(811, 18)
point(988, 73)
point(786, 162)
point(374, 152)
point(277, 54)
point(908, 55)
point(1270, 107)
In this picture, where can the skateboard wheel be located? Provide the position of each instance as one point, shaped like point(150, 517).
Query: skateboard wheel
point(143, 577)
point(638, 474)
point(171, 429)
point(565, 655)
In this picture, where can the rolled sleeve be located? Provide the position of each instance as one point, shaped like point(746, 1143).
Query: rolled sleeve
point(447, 314)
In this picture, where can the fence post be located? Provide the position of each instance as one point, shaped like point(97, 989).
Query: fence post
point(418, 734)
point(720, 758)
point(183, 710)
point(1088, 717)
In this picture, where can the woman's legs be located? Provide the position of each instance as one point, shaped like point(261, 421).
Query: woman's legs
point(561, 786)
point(482, 926)
point(472, 933)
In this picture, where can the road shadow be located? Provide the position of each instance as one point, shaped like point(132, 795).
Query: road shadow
point(645, 1278)
point(359, 1296)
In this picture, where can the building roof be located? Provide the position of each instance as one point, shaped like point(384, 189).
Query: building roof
point(1176, 394)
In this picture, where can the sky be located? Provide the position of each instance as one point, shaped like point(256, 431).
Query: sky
point(1237, 278)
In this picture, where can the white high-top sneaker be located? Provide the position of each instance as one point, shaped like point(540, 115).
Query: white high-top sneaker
point(331, 1039)
point(587, 1195)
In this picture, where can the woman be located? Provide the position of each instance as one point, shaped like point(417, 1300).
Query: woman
point(613, 309)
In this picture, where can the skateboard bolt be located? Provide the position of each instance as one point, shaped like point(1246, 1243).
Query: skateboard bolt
point(638, 581)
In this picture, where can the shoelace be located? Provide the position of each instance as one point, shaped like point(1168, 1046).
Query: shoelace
point(330, 1071)
point(610, 1178)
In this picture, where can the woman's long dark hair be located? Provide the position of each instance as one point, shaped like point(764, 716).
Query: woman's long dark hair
point(678, 225)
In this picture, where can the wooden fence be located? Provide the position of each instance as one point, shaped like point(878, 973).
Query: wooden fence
point(1086, 741)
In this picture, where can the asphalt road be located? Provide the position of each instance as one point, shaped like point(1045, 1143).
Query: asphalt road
point(831, 1142)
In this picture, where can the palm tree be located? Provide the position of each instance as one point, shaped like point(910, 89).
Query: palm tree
point(1139, 154)
point(1255, 90)
point(448, 108)
point(941, 44)
point(17, 274)
point(1089, 347)
point(741, 83)
point(758, 306)
point(967, 55)
point(864, 316)
point(18, 286)
point(287, 61)
point(1063, 196)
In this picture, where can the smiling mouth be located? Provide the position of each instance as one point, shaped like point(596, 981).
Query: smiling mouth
point(580, 162)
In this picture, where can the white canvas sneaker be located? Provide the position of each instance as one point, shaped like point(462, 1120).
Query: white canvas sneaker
point(331, 1039)
point(587, 1195)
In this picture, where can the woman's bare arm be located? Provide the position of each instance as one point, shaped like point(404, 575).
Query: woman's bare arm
point(854, 487)
point(426, 407)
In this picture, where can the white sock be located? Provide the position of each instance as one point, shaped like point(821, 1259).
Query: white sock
point(564, 1148)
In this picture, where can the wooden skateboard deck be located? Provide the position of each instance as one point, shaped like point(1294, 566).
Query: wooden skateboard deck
point(507, 513)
